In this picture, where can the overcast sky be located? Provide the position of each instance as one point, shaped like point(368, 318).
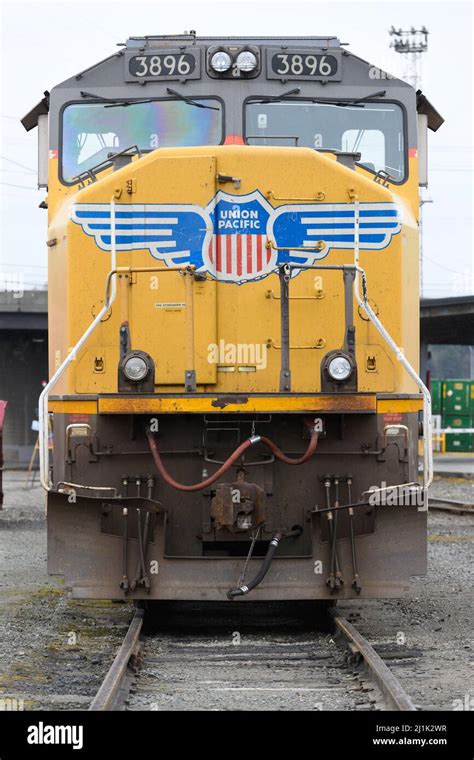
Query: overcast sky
point(44, 43)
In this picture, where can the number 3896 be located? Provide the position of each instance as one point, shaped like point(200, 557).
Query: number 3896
point(306, 65)
point(168, 65)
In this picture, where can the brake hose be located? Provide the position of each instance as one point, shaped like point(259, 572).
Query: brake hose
point(230, 461)
point(273, 546)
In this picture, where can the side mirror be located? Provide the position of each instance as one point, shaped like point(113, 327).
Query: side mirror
point(43, 150)
point(422, 150)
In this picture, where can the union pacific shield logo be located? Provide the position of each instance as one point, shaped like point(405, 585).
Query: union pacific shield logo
point(238, 250)
point(239, 238)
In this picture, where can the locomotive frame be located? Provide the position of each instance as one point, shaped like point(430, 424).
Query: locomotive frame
point(350, 518)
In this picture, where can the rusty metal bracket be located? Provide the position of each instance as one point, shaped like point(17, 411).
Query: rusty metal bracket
point(238, 500)
point(319, 295)
point(320, 246)
point(382, 178)
point(320, 343)
point(223, 178)
point(317, 197)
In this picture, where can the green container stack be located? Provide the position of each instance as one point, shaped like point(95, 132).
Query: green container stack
point(454, 400)
point(436, 400)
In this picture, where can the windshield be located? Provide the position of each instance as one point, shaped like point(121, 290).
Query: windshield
point(93, 130)
point(375, 130)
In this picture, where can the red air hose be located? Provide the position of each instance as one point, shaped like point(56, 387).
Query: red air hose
point(229, 462)
point(288, 460)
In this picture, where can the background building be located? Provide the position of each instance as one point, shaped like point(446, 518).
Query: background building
point(23, 367)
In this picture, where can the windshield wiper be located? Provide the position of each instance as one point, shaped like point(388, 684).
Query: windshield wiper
point(190, 101)
point(378, 94)
point(353, 102)
point(123, 102)
point(325, 101)
point(276, 98)
point(114, 102)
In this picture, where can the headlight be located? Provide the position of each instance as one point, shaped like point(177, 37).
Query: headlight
point(339, 368)
point(246, 61)
point(221, 61)
point(135, 368)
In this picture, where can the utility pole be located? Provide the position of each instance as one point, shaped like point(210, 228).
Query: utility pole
point(411, 44)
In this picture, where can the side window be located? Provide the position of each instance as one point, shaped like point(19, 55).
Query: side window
point(370, 143)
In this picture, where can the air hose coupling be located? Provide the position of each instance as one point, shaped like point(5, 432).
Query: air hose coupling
point(272, 547)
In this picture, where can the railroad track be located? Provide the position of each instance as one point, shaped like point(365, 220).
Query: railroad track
point(256, 671)
point(117, 681)
point(451, 505)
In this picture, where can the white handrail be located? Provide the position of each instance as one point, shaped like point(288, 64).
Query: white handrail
point(44, 398)
point(363, 302)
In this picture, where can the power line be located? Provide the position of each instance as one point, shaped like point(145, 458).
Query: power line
point(432, 261)
point(451, 148)
point(29, 266)
point(7, 268)
point(25, 187)
point(14, 171)
point(440, 286)
point(23, 166)
point(21, 282)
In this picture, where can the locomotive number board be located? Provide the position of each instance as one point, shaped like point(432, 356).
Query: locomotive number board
point(169, 64)
point(316, 65)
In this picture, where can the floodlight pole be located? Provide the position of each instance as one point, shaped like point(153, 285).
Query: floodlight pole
point(412, 43)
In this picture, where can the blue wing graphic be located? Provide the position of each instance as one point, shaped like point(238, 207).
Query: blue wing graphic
point(173, 233)
point(303, 226)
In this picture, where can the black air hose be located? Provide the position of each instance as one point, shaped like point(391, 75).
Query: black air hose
point(274, 543)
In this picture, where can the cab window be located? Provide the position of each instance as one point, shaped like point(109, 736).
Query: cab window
point(373, 129)
point(90, 131)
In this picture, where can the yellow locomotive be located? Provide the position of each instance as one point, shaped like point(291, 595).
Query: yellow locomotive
point(234, 405)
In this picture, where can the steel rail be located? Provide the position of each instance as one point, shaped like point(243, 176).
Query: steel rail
point(107, 695)
point(392, 691)
point(451, 505)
